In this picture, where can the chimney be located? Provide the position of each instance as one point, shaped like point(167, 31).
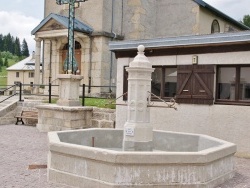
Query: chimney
point(33, 55)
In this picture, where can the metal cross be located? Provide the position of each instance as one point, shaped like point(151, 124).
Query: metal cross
point(70, 62)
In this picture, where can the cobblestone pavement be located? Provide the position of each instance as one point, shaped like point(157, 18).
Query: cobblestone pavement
point(21, 146)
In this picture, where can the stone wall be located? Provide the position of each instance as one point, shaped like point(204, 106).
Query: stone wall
point(7, 114)
point(103, 118)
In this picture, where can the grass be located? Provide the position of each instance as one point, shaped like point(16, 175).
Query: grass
point(100, 103)
point(3, 73)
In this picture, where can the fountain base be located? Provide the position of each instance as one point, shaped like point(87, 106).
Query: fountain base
point(178, 160)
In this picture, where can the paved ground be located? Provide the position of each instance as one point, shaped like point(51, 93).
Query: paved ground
point(21, 146)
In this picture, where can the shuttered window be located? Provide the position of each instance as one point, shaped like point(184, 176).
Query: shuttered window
point(195, 84)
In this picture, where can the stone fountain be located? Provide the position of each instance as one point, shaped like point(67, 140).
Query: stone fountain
point(138, 156)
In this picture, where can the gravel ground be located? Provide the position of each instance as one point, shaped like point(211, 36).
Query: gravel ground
point(21, 146)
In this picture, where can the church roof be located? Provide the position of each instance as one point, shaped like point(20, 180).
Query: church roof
point(221, 14)
point(78, 26)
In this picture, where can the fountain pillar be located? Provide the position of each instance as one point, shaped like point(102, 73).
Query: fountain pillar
point(138, 133)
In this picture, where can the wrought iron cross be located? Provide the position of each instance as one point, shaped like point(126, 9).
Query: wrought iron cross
point(70, 62)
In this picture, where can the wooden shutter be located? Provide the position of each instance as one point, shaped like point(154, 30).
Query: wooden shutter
point(195, 84)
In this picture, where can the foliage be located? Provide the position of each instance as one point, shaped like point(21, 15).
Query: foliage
point(25, 49)
point(6, 63)
point(246, 20)
point(1, 60)
point(11, 44)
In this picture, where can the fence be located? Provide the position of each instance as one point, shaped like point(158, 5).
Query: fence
point(19, 89)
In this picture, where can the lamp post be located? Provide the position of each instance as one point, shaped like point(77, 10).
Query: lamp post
point(70, 62)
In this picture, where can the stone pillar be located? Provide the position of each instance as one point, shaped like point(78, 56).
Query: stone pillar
point(37, 64)
point(138, 133)
point(69, 90)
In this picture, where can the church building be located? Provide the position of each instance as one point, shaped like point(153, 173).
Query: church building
point(97, 22)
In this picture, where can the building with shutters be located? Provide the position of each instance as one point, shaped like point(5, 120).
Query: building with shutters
point(208, 75)
point(97, 22)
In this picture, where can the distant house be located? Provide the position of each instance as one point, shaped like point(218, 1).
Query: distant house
point(24, 72)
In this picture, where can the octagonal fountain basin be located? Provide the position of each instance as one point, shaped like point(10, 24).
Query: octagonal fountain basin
point(93, 158)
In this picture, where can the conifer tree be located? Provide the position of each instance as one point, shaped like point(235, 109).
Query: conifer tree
point(25, 49)
point(6, 63)
point(1, 42)
point(17, 50)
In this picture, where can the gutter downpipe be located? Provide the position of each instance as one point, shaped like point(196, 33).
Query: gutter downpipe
point(50, 62)
point(90, 62)
point(111, 53)
point(43, 64)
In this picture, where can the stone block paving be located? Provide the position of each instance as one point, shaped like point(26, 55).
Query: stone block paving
point(21, 146)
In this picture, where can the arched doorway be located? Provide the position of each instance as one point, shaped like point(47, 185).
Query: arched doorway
point(77, 54)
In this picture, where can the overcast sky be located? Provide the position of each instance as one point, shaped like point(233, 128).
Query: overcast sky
point(20, 17)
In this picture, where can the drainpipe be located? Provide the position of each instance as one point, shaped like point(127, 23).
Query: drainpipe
point(90, 62)
point(111, 53)
point(43, 64)
point(50, 62)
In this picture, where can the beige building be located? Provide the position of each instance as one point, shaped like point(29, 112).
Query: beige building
point(100, 21)
point(24, 72)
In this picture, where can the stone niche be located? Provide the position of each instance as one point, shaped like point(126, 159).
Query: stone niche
point(57, 118)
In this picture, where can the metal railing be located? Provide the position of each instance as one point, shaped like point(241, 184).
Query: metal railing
point(13, 91)
point(21, 91)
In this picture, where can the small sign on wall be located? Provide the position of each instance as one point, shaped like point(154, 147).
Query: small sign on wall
point(195, 59)
point(129, 131)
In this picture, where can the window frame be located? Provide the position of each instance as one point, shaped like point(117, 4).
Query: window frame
point(31, 74)
point(213, 28)
point(237, 101)
point(17, 74)
point(162, 88)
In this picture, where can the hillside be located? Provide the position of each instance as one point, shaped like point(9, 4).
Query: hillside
point(3, 73)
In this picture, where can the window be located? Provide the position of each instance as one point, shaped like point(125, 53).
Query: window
point(17, 74)
point(215, 28)
point(164, 81)
point(233, 84)
point(31, 74)
point(31, 84)
point(163, 85)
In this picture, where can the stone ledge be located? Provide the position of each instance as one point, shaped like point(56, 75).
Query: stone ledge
point(64, 108)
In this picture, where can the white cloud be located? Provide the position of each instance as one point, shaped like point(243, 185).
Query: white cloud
point(18, 25)
point(233, 8)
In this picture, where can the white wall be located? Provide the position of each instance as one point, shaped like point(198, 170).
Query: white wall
point(228, 122)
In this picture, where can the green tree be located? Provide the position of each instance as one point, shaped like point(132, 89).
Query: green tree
point(6, 63)
point(25, 49)
point(1, 42)
point(1, 60)
point(246, 20)
point(17, 46)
